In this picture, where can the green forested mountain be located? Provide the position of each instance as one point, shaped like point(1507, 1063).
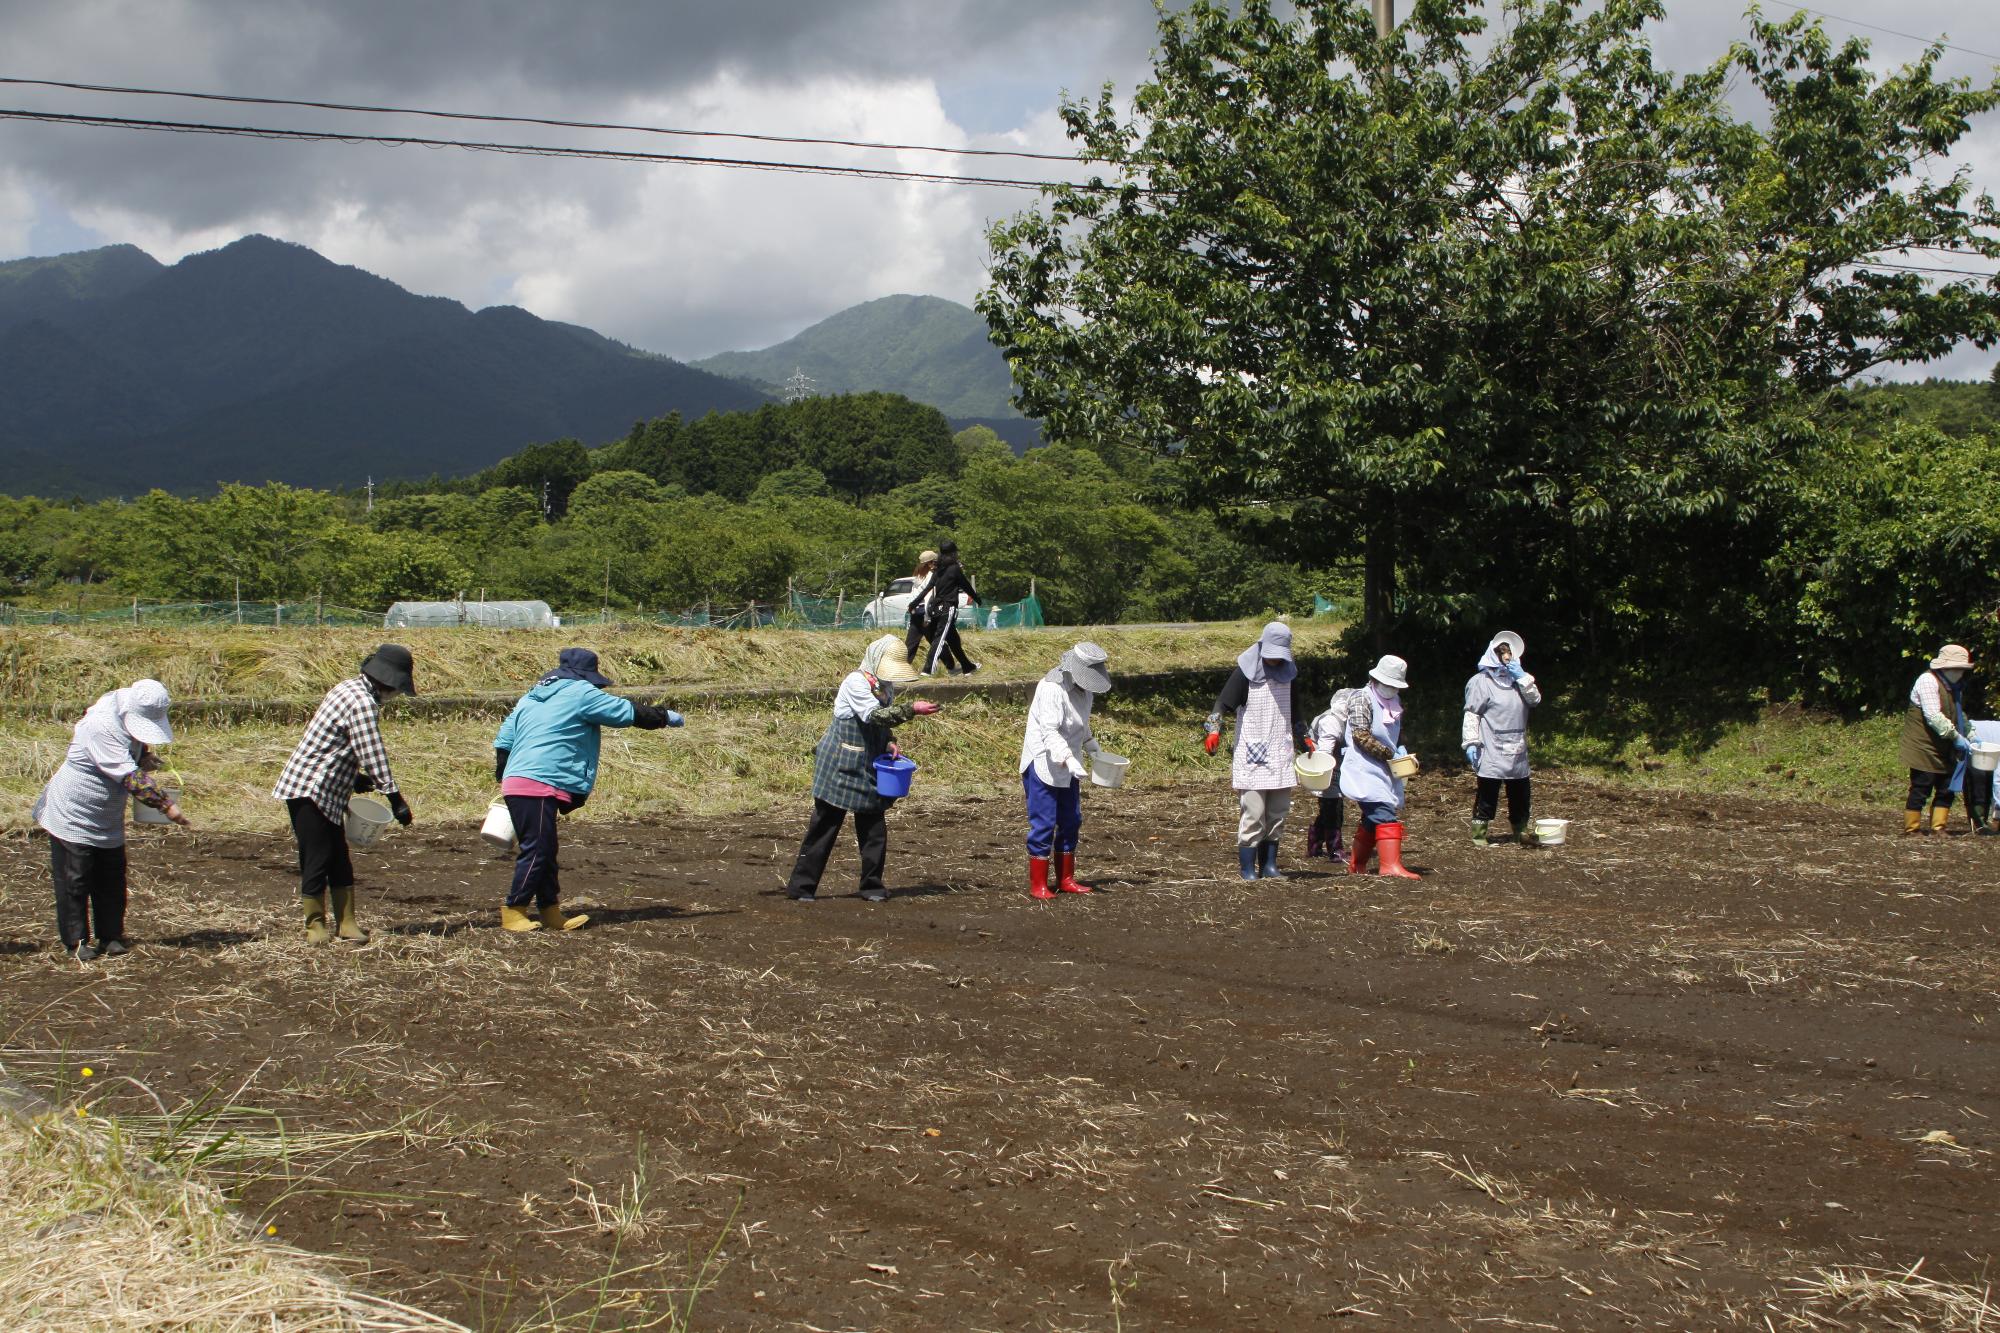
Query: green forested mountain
point(923, 347)
point(263, 361)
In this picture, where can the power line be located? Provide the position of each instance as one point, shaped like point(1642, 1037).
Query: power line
point(550, 150)
point(1922, 268)
point(540, 120)
point(1893, 32)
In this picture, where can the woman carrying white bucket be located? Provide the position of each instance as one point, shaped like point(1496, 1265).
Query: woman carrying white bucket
point(1259, 694)
point(1326, 737)
point(1372, 744)
point(109, 764)
point(1494, 732)
point(844, 777)
point(1054, 752)
point(341, 754)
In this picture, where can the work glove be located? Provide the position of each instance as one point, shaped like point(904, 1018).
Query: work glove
point(499, 763)
point(1400, 752)
point(400, 808)
point(925, 707)
point(1961, 744)
point(648, 718)
point(362, 782)
point(1312, 746)
point(1515, 669)
point(1078, 771)
point(1210, 741)
point(1472, 755)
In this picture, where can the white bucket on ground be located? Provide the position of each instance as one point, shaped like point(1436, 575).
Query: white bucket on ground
point(498, 830)
point(146, 814)
point(367, 816)
point(1551, 832)
point(1108, 769)
point(1315, 771)
point(1985, 757)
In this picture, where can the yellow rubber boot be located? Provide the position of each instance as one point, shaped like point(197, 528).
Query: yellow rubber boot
point(514, 919)
point(553, 918)
point(317, 931)
point(1912, 819)
point(346, 927)
point(1940, 816)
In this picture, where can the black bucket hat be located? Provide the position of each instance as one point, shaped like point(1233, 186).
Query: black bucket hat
point(391, 665)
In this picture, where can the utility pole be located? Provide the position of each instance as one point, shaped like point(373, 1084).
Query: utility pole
point(1385, 18)
point(371, 487)
point(799, 386)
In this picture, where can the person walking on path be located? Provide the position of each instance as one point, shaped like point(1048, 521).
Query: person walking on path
point(341, 753)
point(865, 717)
point(82, 808)
point(1054, 752)
point(1258, 694)
point(939, 601)
point(917, 612)
point(1327, 735)
point(545, 760)
point(1494, 732)
point(1937, 740)
point(1374, 738)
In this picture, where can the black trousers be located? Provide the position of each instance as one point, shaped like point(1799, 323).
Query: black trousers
point(1324, 831)
point(323, 860)
point(871, 835)
point(947, 649)
point(90, 887)
point(535, 878)
point(1923, 786)
point(1520, 799)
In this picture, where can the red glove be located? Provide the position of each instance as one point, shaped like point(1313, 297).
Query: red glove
point(1213, 739)
point(925, 707)
point(1311, 747)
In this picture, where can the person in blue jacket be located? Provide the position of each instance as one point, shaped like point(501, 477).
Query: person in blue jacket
point(545, 759)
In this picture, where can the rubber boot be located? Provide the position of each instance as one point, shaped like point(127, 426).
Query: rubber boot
point(552, 918)
point(317, 931)
point(1912, 819)
point(1940, 816)
point(1038, 877)
point(1479, 838)
point(1246, 861)
point(1267, 861)
point(1524, 833)
point(514, 919)
point(343, 914)
point(1364, 847)
point(1390, 838)
point(1066, 864)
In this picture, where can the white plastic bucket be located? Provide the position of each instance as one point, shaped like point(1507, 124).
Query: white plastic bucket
point(1985, 757)
point(1315, 771)
point(498, 830)
point(367, 816)
point(1108, 769)
point(146, 814)
point(1551, 832)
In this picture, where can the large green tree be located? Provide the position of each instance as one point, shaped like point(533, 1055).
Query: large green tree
point(1531, 324)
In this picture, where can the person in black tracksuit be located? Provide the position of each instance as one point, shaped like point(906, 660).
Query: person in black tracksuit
point(937, 603)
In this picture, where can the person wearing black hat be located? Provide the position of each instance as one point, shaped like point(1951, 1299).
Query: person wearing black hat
point(545, 760)
point(341, 753)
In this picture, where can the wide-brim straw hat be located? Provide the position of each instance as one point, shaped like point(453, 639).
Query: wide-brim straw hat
point(895, 668)
point(1954, 655)
point(1392, 671)
point(1085, 664)
point(142, 710)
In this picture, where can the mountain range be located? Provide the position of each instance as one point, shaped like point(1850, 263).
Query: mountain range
point(264, 361)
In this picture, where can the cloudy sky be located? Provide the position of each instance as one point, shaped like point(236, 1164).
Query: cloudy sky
point(685, 260)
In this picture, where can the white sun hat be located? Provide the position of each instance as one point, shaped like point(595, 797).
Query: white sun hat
point(1392, 671)
point(142, 708)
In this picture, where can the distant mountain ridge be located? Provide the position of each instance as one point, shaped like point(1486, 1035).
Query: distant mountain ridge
point(923, 347)
point(264, 361)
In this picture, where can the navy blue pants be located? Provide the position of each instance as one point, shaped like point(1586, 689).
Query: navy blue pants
point(1055, 814)
point(535, 866)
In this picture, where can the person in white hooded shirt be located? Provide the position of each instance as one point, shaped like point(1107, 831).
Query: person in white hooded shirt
point(1494, 732)
point(1055, 750)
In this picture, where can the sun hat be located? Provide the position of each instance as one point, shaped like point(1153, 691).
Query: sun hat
point(894, 666)
point(392, 665)
point(1514, 642)
point(578, 664)
point(142, 710)
point(1084, 664)
point(927, 557)
point(1954, 655)
point(1276, 641)
point(1392, 671)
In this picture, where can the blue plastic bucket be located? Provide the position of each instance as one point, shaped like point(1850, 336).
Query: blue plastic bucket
point(893, 774)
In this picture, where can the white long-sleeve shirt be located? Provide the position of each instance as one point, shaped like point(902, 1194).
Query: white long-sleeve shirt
point(1058, 734)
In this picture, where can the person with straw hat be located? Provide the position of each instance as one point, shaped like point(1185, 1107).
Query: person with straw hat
point(341, 753)
point(1494, 732)
point(865, 716)
point(1374, 740)
point(545, 760)
point(1937, 740)
point(110, 761)
point(1258, 694)
point(1053, 754)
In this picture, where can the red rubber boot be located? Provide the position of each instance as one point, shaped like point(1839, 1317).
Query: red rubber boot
point(1391, 836)
point(1067, 866)
point(1364, 847)
point(1038, 877)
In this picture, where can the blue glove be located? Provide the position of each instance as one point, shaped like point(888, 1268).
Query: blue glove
point(1962, 745)
point(1400, 752)
point(675, 719)
point(1472, 755)
point(1515, 669)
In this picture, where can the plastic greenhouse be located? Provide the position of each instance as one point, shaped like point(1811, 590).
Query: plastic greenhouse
point(490, 615)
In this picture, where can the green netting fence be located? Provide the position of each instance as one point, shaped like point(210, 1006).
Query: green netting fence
point(1344, 608)
point(163, 615)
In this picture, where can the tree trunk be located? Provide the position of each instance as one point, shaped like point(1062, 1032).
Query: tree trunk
point(1378, 581)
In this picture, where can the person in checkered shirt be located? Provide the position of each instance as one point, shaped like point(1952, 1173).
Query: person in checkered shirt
point(340, 754)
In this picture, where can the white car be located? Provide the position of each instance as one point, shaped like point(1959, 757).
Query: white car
point(892, 608)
